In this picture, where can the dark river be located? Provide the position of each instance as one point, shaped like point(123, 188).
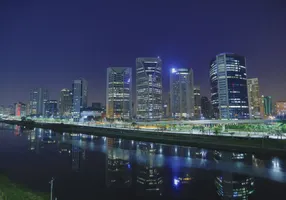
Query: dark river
point(90, 167)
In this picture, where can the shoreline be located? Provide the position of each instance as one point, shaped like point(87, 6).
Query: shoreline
point(216, 142)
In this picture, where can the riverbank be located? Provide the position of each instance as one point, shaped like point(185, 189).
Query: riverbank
point(11, 191)
point(235, 144)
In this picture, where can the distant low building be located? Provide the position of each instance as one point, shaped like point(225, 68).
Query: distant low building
point(280, 107)
point(90, 113)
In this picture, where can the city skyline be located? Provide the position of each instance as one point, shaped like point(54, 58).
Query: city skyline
point(81, 39)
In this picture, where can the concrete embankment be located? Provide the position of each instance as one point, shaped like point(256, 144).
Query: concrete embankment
point(236, 144)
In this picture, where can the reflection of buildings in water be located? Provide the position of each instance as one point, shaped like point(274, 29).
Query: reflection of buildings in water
point(35, 140)
point(64, 148)
point(231, 186)
point(218, 155)
point(75, 153)
point(149, 179)
point(257, 162)
point(17, 130)
point(118, 172)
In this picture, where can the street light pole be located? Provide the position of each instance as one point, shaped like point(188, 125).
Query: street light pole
point(52, 186)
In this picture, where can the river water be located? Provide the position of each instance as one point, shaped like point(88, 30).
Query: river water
point(90, 167)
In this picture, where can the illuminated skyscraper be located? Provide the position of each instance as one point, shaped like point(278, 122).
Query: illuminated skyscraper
point(197, 100)
point(149, 88)
point(38, 98)
point(229, 86)
point(280, 107)
point(253, 98)
point(119, 92)
point(267, 106)
point(65, 103)
point(79, 97)
point(182, 93)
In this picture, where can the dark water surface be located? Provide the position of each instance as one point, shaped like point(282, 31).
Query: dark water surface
point(88, 167)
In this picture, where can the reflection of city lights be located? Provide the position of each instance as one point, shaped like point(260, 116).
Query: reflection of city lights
point(132, 142)
point(176, 149)
point(276, 164)
point(129, 166)
point(189, 154)
point(176, 182)
point(160, 150)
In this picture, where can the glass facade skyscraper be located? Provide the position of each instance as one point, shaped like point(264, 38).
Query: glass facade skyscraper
point(65, 103)
point(267, 105)
point(253, 98)
point(149, 88)
point(79, 97)
point(197, 102)
point(38, 98)
point(119, 93)
point(182, 93)
point(228, 79)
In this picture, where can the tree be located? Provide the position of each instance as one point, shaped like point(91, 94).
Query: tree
point(133, 124)
point(217, 130)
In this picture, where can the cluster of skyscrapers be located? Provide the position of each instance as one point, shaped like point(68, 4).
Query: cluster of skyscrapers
point(233, 95)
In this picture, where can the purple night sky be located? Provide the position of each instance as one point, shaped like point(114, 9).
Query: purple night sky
point(50, 43)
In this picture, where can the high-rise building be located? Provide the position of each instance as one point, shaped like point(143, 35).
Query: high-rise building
point(197, 100)
point(206, 108)
point(182, 93)
point(79, 97)
point(267, 106)
point(20, 109)
point(51, 108)
point(253, 98)
point(229, 86)
point(149, 88)
point(38, 97)
point(119, 93)
point(65, 103)
point(280, 107)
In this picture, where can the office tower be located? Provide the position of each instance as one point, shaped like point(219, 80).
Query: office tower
point(197, 100)
point(119, 93)
point(206, 108)
point(51, 108)
point(65, 103)
point(267, 106)
point(79, 97)
point(97, 105)
point(38, 97)
point(280, 107)
point(149, 88)
point(229, 86)
point(182, 93)
point(20, 109)
point(253, 98)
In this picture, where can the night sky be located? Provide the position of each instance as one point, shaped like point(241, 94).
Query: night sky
point(50, 43)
